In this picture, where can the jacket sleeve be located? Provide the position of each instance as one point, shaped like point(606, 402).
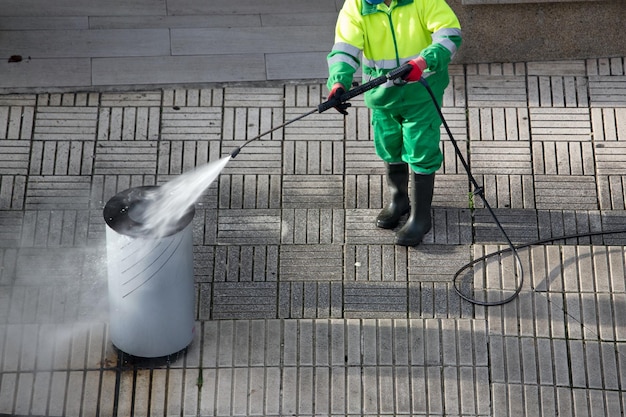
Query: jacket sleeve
point(446, 34)
point(343, 60)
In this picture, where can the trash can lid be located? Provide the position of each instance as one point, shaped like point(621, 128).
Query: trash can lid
point(124, 214)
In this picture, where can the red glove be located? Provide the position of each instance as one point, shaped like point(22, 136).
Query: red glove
point(418, 66)
point(335, 93)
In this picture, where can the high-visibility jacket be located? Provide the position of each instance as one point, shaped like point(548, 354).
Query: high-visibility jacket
point(387, 37)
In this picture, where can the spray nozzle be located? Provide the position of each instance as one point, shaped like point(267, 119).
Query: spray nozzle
point(235, 152)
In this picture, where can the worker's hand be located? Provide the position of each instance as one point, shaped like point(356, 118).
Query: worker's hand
point(418, 66)
point(335, 94)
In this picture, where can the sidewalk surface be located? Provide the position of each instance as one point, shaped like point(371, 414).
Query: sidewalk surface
point(304, 307)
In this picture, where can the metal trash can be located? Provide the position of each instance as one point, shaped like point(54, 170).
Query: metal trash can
point(150, 278)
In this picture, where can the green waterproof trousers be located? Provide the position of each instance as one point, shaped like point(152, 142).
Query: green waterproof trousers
point(409, 134)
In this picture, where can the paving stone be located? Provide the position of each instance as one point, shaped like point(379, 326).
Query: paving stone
point(125, 157)
point(563, 158)
point(12, 192)
point(520, 225)
point(17, 100)
point(553, 124)
point(375, 263)
point(310, 300)
point(454, 94)
point(7, 390)
point(615, 222)
point(558, 91)
point(312, 226)
point(361, 159)
point(61, 158)
point(365, 191)
point(203, 97)
point(319, 127)
point(496, 68)
point(452, 163)
point(309, 263)
point(178, 157)
point(40, 393)
point(68, 99)
point(568, 68)
point(130, 123)
point(319, 191)
point(57, 192)
point(254, 97)
point(131, 99)
point(65, 123)
point(609, 157)
point(191, 123)
point(505, 191)
point(375, 299)
point(436, 263)
point(451, 191)
point(260, 226)
point(498, 124)
point(16, 122)
point(357, 123)
point(8, 259)
point(308, 95)
point(361, 228)
point(436, 300)
point(241, 124)
point(496, 91)
point(610, 66)
point(313, 157)
point(249, 191)
point(262, 157)
point(245, 263)
point(607, 91)
point(501, 158)
point(608, 124)
point(239, 300)
point(559, 223)
point(552, 193)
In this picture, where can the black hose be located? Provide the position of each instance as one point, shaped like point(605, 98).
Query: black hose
point(478, 190)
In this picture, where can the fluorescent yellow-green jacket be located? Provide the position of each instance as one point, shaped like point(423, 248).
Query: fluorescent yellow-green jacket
point(387, 37)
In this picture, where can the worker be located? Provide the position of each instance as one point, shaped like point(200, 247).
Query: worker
point(405, 122)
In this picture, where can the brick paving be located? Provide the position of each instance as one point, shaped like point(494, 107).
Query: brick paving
point(304, 307)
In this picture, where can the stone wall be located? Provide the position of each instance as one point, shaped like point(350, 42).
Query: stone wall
point(541, 31)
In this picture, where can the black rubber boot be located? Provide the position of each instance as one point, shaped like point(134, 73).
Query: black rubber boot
point(398, 183)
point(419, 222)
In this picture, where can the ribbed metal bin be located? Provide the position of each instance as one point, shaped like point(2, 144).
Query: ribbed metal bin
point(150, 279)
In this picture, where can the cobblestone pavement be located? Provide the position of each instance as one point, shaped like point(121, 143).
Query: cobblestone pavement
point(304, 307)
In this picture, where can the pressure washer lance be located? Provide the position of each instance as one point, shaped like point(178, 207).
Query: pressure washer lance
point(392, 75)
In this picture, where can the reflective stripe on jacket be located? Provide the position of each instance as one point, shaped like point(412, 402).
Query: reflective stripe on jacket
point(387, 37)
